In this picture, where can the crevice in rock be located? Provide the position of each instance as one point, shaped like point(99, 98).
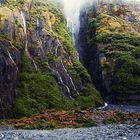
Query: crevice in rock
point(88, 51)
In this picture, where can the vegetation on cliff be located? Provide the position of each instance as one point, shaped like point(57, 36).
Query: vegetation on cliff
point(40, 47)
point(118, 44)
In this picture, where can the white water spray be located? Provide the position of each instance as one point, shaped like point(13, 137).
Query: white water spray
point(24, 22)
point(102, 107)
point(69, 77)
point(25, 28)
point(72, 9)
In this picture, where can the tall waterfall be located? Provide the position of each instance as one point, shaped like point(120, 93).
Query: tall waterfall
point(72, 10)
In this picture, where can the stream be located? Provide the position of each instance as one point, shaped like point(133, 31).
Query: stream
point(122, 108)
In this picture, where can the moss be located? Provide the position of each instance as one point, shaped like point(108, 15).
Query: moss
point(40, 90)
point(26, 65)
point(3, 123)
point(121, 51)
point(90, 98)
point(109, 121)
point(122, 116)
point(89, 123)
point(32, 85)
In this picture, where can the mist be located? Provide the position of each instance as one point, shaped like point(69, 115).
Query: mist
point(72, 10)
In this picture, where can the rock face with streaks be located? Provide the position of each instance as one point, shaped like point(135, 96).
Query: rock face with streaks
point(39, 68)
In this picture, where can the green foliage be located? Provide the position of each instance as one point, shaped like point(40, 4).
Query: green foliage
point(90, 98)
point(26, 65)
point(39, 91)
point(114, 37)
point(122, 116)
point(127, 79)
point(89, 123)
point(109, 121)
point(13, 3)
point(121, 50)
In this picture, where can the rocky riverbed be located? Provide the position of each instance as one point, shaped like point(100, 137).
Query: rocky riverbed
point(113, 122)
point(110, 132)
point(122, 108)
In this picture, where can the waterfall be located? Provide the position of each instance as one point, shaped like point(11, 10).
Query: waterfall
point(37, 23)
point(62, 83)
point(24, 22)
point(25, 29)
point(11, 58)
point(35, 66)
point(102, 107)
point(61, 80)
point(26, 39)
point(69, 77)
point(72, 11)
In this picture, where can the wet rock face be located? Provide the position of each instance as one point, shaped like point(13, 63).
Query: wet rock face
point(9, 60)
point(39, 68)
point(88, 52)
point(8, 79)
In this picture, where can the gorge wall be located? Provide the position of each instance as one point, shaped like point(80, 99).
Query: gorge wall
point(109, 44)
point(39, 68)
point(39, 65)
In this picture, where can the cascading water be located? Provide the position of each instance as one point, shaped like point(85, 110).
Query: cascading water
point(61, 80)
point(72, 11)
point(63, 84)
point(24, 22)
point(71, 81)
point(11, 58)
point(25, 28)
point(26, 39)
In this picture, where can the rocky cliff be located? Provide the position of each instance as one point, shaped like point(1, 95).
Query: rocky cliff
point(39, 68)
point(111, 45)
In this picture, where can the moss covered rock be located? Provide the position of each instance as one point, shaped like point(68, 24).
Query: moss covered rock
point(116, 42)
